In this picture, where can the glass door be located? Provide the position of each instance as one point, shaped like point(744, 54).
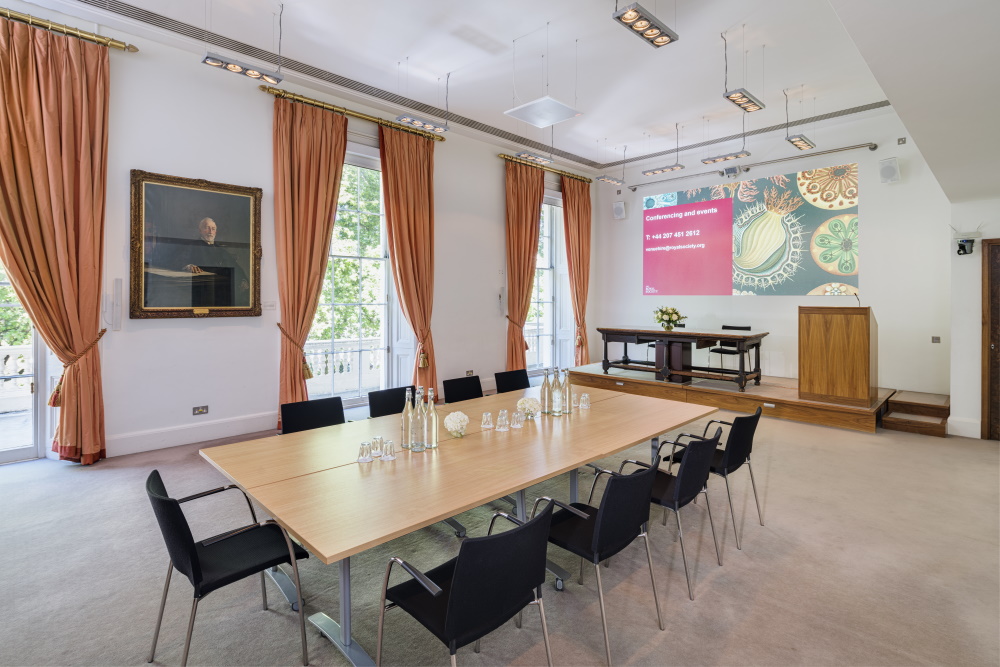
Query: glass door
point(19, 349)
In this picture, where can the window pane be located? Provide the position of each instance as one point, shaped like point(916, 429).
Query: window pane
point(370, 233)
point(346, 374)
point(542, 289)
point(531, 355)
point(371, 370)
point(372, 319)
point(373, 281)
point(346, 280)
point(545, 359)
point(319, 359)
point(322, 326)
point(371, 191)
point(345, 326)
point(349, 188)
point(345, 234)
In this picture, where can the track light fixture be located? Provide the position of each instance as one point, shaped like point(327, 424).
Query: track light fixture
point(607, 178)
point(421, 124)
point(800, 141)
point(740, 97)
point(640, 22)
point(726, 157)
point(676, 166)
point(531, 157)
point(237, 67)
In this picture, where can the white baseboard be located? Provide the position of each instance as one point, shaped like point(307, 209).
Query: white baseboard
point(967, 428)
point(144, 441)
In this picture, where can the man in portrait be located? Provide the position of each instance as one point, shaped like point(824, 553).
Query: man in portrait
point(218, 278)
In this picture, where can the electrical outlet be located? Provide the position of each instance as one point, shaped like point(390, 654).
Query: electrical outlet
point(935, 339)
point(469, 374)
point(199, 410)
point(900, 141)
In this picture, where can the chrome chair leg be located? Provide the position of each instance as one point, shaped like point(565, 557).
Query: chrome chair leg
point(711, 522)
point(652, 579)
point(732, 512)
point(263, 590)
point(298, 595)
point(545, 632)
point(187, 640)
point(680, 536)
point(604, 616)
point(163, 603)
point(475, 647)
point(754, 485)
point(580, 580)
point(453, 663)
point(664, 516)
point(517, 620)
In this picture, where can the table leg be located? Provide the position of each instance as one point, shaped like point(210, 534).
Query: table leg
point(574, 485)
point(285, 585)
point(742, 377)
point(756, 363)
point(522, 511)
point(340, 633)
point(606, 364)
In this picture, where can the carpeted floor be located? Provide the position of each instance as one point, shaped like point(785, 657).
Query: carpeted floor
point(878, 549)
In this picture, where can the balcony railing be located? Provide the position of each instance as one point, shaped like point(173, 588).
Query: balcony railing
point(16, 376)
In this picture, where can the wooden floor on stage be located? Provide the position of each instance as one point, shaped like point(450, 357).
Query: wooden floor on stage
point(778, 397)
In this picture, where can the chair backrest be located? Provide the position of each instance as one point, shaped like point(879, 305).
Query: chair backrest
point(175, 529)
point(693, 472)
point(624, 508)
point(732, 327)
point(740, 442)
point(389, 401)
point(306, 415)
point(462, 389)
point(494, 574)
point(511, 380)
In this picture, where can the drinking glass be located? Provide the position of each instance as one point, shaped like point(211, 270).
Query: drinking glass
point(388, 451)
point(365, 453)
point(487, 421)
point(517, 419)
point(584, 401)
point(503, 421)
point(377, 444)
point(576, 400)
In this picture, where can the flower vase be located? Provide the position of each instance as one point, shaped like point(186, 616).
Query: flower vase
point(668, 327)
point(528, 414)
point(457, 434)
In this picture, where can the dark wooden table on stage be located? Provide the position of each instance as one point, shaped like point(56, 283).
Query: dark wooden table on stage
point(673, 352)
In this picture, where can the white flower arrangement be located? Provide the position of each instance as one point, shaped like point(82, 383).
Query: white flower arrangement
point(668, 317)
point(456, 422)
point(529, 406)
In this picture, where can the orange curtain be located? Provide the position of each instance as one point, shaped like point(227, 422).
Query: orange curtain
point(309, 148)
point(576, 224)
point(408, 190)
point(53, 166)
point(525, 189)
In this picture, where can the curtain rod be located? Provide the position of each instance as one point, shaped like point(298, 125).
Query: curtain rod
point(511, 158)
point(67, 30)
point(278, 92)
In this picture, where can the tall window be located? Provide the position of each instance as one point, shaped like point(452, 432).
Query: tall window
point(16, 372)
point(540, 326)
point(346, 350)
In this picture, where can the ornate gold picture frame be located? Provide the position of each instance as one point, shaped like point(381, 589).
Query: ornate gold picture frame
point(195, 248)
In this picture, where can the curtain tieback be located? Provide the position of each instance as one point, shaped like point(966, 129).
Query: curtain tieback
point(306, 371)
point(55, 399)
point(423, 359)
point(580, 330)
point(521, 327)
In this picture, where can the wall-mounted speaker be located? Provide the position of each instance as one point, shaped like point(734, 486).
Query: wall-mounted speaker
point(618, 210)
point(888, 170)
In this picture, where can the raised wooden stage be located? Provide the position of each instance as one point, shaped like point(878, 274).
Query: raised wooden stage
point(778, 397)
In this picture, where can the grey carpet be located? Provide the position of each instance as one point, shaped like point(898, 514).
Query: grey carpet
point(878, 549)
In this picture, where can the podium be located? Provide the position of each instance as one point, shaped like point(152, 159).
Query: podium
point(838, 355)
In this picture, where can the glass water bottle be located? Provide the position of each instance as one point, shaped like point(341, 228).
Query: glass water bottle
point(546, 395)
point(557, 395)
point(431, 422)
point(417, 430)
point(407, 419)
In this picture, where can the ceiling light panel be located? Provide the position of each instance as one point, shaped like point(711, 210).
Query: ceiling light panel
point(543, 112)
point(640, 22)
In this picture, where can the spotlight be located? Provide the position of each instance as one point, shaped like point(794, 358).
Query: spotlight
point(421, 124)
point(801, 142)
point(641, 22)
point(744, 100)
point(237, 67)
point(531, 157)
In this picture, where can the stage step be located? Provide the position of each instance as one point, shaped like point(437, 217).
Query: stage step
point(918, 412)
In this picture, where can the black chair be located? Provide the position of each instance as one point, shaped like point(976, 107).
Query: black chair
point(606, 530)
point(389, 401)
point(511, 380)
point(220, 560)
point(462, 389)
point(306, 415)
point(739, 446)
point(490, 581)
point(672, 492)
point(730, 347)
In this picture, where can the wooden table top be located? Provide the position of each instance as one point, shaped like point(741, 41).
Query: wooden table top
point(340, 511)
point(655, 330)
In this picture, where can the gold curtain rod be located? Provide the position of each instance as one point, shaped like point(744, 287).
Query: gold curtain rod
point(511, 158)
point(67, 30)
point(278, 92)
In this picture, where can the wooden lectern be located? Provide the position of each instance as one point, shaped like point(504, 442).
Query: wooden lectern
point(838, 355)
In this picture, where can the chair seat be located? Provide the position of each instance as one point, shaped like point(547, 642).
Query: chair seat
point(431, 611)
point(716, 467)
point(573, 533)
point(242, 555)
point(724, 350)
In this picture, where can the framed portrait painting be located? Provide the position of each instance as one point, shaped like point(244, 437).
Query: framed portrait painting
point(195, 248)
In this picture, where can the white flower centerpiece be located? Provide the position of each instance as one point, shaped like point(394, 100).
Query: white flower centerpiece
point(529, 406)
point(668, 317)
point(456, 423)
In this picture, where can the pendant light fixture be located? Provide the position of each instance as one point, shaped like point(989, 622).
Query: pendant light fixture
point(640, 22)
point(611, 180)
point(676, 166)
point(251, 71)
point(800, 141)
point(742, 153)
point(740, 97)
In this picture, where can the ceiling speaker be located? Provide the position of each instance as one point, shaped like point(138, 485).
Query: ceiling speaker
point(888, 170)
point(618, 210)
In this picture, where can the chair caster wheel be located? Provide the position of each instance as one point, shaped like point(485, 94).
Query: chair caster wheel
point(559, 585)
point(294, 606)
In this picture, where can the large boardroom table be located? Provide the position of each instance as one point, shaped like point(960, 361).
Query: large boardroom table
point(312, 485)
point(673, 352)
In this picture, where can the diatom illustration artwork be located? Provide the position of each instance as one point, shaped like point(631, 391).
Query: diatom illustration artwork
point(832, 188)
point(656, 201)
point(833, 289)
point(762, 233)
point(834, 245)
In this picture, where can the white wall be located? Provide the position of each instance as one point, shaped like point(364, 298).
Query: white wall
point(967, 316)
point(904, 258)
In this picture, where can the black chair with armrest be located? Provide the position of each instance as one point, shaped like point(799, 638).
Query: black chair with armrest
point(462, 389)
point(511, 380)
point(221, 560)
point(490, 581)
point(306, 415)
point(672, 492)
point(739, 446)
point(389, 401)
point(607, 529)
point(730, 347)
